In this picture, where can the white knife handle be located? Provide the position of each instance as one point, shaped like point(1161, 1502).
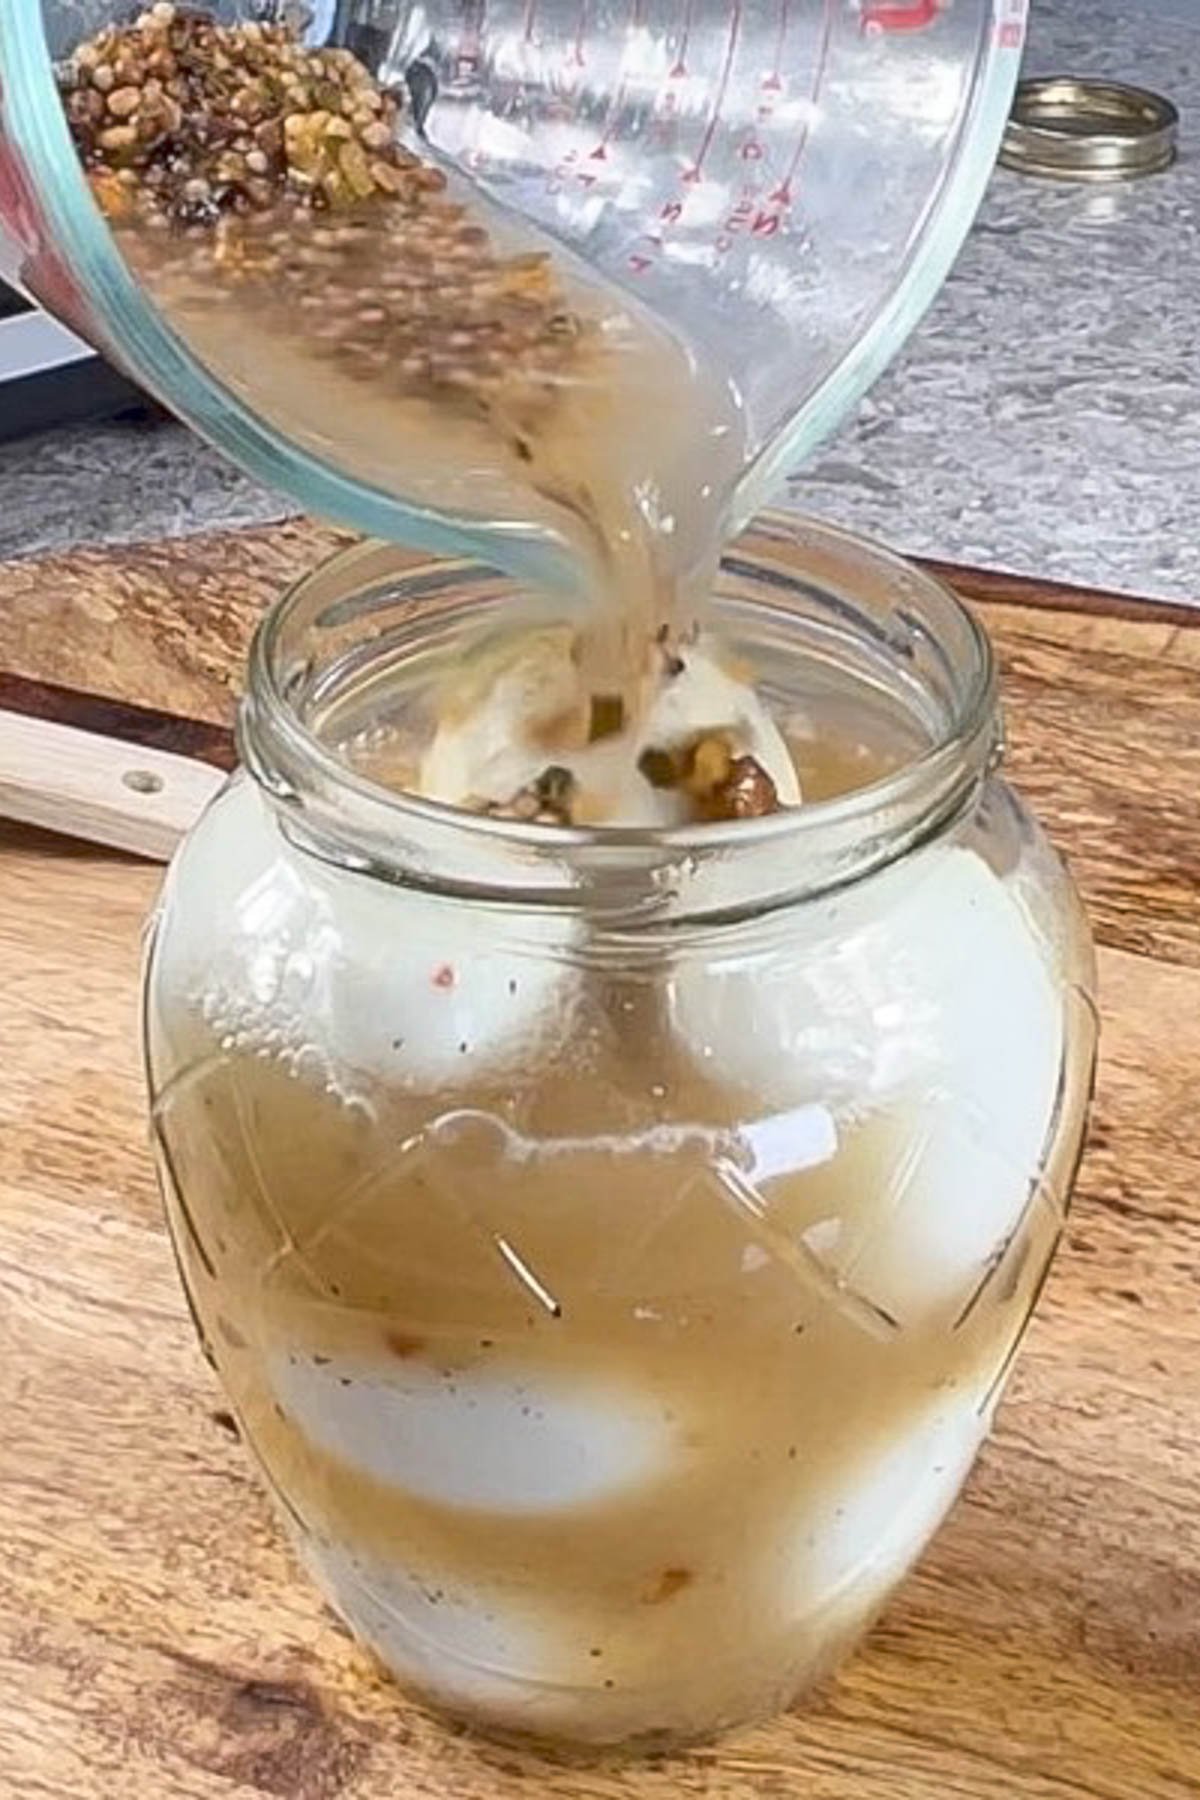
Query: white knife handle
point(100, 788)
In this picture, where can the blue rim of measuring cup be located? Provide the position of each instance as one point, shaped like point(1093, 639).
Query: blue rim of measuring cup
point(157, 357)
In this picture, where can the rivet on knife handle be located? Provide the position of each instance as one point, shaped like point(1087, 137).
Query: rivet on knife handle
point(99, 789)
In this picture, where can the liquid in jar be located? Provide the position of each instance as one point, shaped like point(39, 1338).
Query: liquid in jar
point(613, 1334)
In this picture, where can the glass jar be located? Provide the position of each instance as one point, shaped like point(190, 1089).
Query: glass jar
point(614, 1244)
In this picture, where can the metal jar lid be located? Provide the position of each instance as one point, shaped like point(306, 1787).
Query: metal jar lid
point(1080, 129)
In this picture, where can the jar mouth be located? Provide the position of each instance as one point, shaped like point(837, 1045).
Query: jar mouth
point(905, 632)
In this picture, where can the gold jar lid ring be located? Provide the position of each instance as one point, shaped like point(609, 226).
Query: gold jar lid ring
point(1080, 129)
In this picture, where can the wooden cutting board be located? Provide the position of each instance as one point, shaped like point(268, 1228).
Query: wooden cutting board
point(156, 1641)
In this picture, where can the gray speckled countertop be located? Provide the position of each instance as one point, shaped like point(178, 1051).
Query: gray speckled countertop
point(1045, 419)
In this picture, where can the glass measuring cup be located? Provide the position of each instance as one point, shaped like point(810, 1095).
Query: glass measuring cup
point(781, 185)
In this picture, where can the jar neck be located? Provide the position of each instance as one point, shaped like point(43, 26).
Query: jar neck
point(785, 590)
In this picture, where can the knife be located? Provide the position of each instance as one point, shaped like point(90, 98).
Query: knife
point(126, 795)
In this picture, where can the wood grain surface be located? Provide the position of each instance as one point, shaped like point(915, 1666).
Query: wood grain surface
point(156, 1641)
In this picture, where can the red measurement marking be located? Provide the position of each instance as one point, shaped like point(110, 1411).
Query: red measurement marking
point(899, 15)
point(1010, 34)
point(782, 195)
point(679, 70)
point(745, 215)
point(696, 172)
point(774, 81)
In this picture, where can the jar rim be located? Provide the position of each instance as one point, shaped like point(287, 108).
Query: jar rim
point(309, 780)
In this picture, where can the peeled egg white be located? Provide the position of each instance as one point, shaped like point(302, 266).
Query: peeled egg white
point(503, 1440)
point(483, 752)
point(863, 1533)
point(338, 974)
point(920, 1001)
